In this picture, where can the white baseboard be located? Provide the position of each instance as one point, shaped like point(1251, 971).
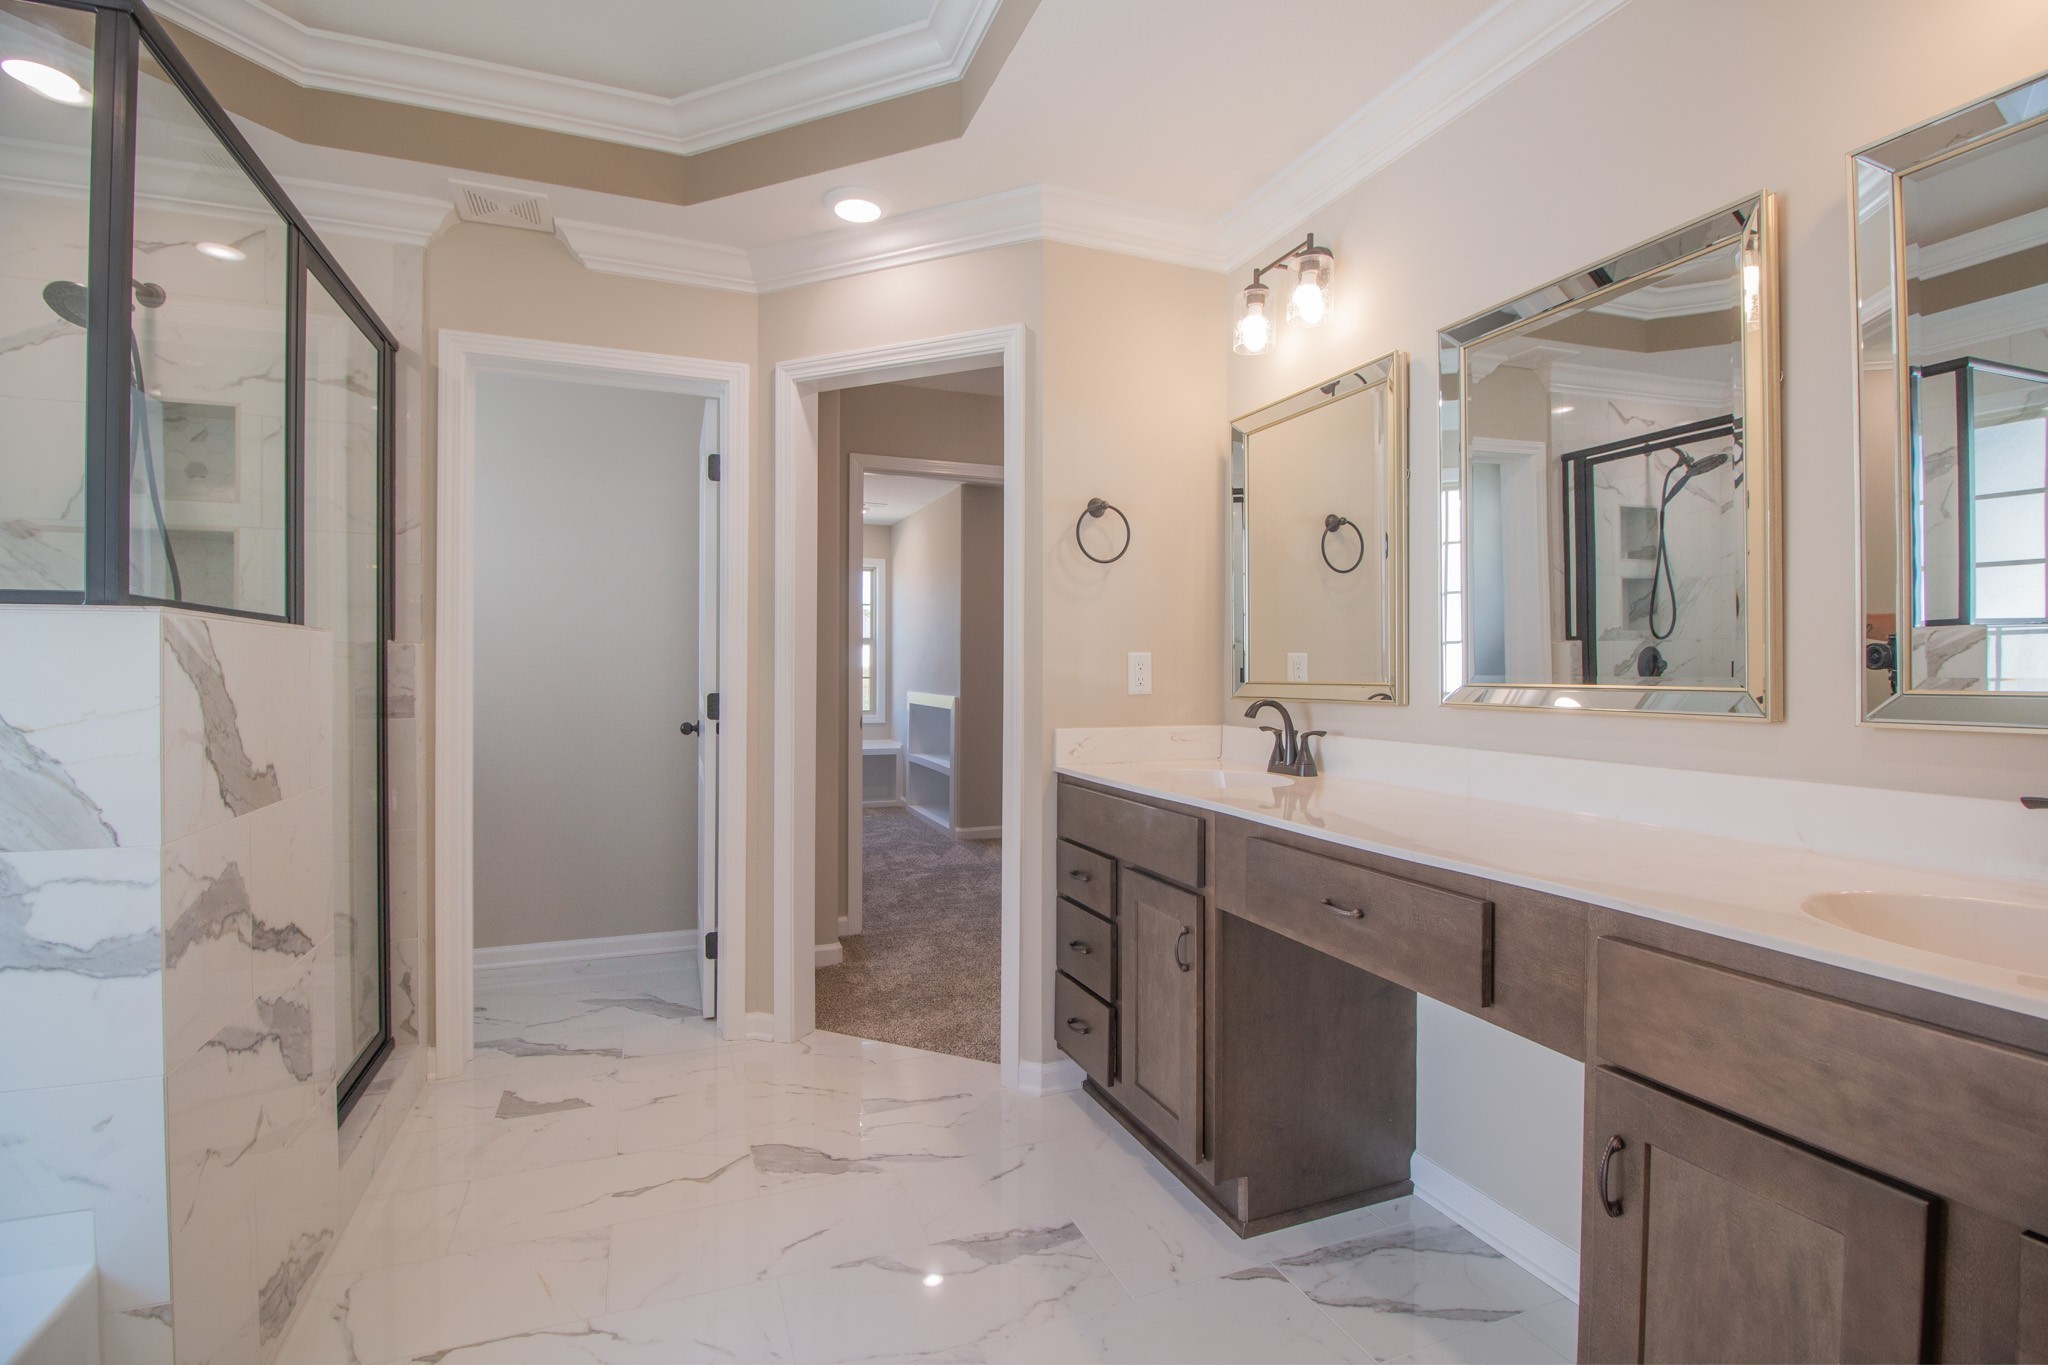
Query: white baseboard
point(829, 954)
point(1520, 1240)
point(586, 949)
point(881, 803)
point(845, 929)
point(1049, 1078)
point(979, 832)
point(760, 1026)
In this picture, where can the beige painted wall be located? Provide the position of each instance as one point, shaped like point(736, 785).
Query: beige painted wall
point(586, 795)
point(922, 424)
point(978, 765)
point(1499, 202)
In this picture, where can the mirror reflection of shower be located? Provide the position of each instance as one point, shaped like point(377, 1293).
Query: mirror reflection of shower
point(72, 302)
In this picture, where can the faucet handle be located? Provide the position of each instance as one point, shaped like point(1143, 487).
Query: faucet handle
point(1305, 757)
point(2034, 802)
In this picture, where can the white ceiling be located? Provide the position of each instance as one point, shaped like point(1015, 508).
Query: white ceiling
point(888, 498)
point(652, 47)
point(1197, 131)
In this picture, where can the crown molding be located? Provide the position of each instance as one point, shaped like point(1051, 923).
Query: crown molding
point(657, 256)
point(2003, 238)
point(1673, 301)
point(1600, 381)
point(899, 62)
point(351, 211)
point(1492, 50)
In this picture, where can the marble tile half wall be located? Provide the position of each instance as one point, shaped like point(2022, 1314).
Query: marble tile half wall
point(167, 848)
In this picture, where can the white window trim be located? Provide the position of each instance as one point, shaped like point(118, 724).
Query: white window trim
point(880, 715)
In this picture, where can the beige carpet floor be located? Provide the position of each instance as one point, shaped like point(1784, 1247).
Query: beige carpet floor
point(926, 970)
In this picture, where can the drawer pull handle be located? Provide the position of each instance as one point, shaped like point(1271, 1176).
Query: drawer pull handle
point(1078, 875)
point(1079, 1026)
point(1178, 960)
point(1346, 911)
point(1608, 1201)
point(1078, 948)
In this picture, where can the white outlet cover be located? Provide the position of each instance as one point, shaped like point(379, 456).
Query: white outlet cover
point(1140, 674)
point(1297, 668)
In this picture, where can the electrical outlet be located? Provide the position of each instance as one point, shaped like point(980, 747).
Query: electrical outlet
point(1140, 671)
point(1297, 668)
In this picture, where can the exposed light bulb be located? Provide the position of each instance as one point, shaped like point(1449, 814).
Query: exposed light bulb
point(1254, 332)
point(221, 251)
point(46, 81)
point(1308, 305)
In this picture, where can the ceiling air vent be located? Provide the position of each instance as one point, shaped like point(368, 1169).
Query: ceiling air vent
point(503, 207)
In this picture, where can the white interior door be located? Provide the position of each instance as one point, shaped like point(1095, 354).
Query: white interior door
point(709, 453)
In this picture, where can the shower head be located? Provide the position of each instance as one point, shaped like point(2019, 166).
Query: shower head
point(71, 301)
point(1706, 463)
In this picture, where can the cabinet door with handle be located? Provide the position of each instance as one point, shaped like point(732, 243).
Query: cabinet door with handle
point(1159, 1008)
point(1706, 1239)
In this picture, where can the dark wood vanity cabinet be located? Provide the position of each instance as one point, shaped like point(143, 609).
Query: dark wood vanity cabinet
point(1159, 1001)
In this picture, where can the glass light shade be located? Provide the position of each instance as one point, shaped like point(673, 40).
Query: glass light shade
point(1309, 304)
point(1254, 334)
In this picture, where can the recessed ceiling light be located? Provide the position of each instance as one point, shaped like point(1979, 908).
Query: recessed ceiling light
point(221, 251)
point(46, 81)
point(934, 1280)
point(855, 206)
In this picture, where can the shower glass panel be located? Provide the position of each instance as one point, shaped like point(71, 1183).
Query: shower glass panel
point(345, 497)
point(45, 164)
point(207, 520)
point(1980, 526)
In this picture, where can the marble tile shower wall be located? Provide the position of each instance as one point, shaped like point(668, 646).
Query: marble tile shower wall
point(81, 948)
point(166, 931)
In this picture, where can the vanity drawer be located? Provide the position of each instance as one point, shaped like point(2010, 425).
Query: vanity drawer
point(1430, 940)
point(1084, 1028)
point(1087, 949)
point(1167, 843)
point(1087, 878)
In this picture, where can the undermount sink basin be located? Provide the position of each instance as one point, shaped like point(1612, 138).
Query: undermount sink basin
point(1224, 779)
point(1995, 933)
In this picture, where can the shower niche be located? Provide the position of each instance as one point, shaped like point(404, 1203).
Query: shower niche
point(1608, 482)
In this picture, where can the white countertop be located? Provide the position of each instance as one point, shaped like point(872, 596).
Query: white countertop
point(1747, 891)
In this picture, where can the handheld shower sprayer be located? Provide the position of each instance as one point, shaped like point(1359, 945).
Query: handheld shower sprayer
point(1661, 582)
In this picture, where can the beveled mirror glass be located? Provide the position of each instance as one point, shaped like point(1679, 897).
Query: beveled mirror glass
point(1608, 483)
point(1318, 485)
point(1952, 418)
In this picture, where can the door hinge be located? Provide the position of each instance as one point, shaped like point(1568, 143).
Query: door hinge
point(711, 706)
point(711, 945)
point(711, 468)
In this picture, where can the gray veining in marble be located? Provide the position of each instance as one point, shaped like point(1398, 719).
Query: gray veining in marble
point(243, 786)
point(41, 807)
point(120, 955)
point(287, 1023)
point(280, 1293)
point(222, 907)
point(512, 1106)
point(996, 1248)
point(1340, 1290)
point(520, 1047)
point(645, 1004)
point(782, 1158)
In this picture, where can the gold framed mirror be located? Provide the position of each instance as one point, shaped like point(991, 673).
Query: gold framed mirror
point(1952, 416)
point(1318, 553)
point(1608, 483)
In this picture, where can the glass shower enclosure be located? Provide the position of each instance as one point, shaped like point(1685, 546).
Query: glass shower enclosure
point(194, 402)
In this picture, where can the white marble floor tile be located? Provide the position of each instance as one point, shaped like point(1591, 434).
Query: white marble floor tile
point(1507, 1342)
point(1556, 1325)
point(1398, 1291)
point(684, 1254)
point(743, 1324)
point(946, 1300)
point(611, 1181)
point(1252, 1315)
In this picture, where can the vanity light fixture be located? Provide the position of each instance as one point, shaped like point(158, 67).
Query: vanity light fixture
point(221, 251)
point(46, 81)
point(1308, 303)
point(855, 206)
